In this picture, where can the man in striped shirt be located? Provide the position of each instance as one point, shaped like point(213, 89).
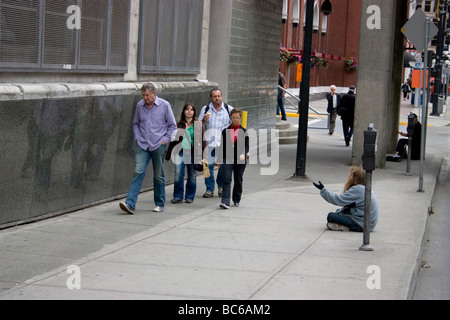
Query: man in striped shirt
point(216, 117)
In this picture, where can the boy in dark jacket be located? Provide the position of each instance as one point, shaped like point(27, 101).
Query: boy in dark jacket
point(235, 149)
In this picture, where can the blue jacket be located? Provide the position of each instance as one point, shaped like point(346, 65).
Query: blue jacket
point(355, 195)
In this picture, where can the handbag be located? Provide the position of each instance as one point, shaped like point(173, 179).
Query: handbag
point(206, 172)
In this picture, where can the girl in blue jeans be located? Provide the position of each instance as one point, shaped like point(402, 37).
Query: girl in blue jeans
point(184, 159)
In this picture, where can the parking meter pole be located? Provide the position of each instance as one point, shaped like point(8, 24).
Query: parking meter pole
point(410, 132)
point(370, 137)
point(367, 202)
point(408, 163)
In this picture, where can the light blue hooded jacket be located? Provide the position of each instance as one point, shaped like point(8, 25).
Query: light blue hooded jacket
point(355, 195)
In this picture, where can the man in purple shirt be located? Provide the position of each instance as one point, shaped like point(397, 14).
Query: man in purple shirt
point(153, 125)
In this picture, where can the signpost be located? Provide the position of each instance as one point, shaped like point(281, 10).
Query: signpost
point(419, 30)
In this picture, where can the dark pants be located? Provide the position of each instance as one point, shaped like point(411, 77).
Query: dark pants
point(401, 146)
point(237, 172)
point(347, 126)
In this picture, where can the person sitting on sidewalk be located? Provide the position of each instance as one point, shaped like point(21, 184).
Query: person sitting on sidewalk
point(403, 143)
point(351, 215)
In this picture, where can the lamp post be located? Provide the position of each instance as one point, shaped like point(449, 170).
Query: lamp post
point(439, 59)
point(300, 161)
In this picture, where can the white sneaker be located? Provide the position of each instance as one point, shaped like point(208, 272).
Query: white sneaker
point(158, 209)
point(125, 208)
point(224, 206)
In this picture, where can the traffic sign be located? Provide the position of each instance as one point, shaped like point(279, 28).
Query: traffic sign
point(416, 65)
point(414, 30)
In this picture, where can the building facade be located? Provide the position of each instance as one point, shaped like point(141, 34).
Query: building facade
point(335, 39)
point(70, 77)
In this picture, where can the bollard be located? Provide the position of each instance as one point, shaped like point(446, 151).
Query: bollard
point(368, 157)
point(244, 119)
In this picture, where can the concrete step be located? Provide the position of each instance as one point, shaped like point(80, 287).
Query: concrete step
point(282, 125)
point(290, 132)
point(288, 140)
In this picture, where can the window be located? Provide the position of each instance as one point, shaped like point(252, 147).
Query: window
point(170, 36)
point(63, 35)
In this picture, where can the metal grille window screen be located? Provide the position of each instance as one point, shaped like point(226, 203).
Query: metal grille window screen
point(170, 36)
point(57, 35)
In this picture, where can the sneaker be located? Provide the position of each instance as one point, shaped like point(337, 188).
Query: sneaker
point(175, 200)
point(224, 206)
point(208, 194)
point(189, 200)
point(236, 204)
point(158, 209)
point(219, 191)
point(337, 227)
point(125, 208)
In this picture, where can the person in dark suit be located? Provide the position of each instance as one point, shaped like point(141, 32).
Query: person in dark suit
point(346, 110)
point(333, 102)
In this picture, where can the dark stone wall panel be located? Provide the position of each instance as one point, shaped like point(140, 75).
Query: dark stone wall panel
point(59, 155)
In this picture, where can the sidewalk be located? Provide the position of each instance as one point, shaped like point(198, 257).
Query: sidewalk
point(275, 246)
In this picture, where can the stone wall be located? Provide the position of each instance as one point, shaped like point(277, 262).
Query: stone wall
point(66, 150)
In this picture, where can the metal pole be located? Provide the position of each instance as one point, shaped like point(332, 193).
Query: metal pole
point(424, 103)
point(408, 163)
point(438, 65)
point(304, 93)
point(367, 202)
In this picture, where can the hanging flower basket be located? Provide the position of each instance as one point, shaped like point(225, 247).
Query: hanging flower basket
point(351, 64)
point(322, 62)
point(284, 54)
point(288, 57)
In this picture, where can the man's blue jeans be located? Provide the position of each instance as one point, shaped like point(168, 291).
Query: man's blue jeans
point(142, 158)
point(209, 182)
point(185, 162)
point(280, 105)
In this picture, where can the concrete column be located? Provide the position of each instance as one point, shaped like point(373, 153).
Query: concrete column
point(379, 75)
point(133, 42)
point(219, 43)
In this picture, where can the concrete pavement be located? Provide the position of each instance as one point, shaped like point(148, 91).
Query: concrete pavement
point(274, 246)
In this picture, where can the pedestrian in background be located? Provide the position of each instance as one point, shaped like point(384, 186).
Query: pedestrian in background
point(333, 102)
point(235, 148)
point(184, 159)
point(406, 89)
point(346, 110)
point(350, 217)
point(216, 117)
point(280, 102)
point(153, 124)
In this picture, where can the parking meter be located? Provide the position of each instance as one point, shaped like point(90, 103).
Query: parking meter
point(368, 157)
point(370, 138)
point(410, 128)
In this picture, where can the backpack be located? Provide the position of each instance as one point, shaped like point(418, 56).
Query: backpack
point(224, 104)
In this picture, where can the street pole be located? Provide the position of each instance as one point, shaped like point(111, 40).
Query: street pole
point(424, 104)
point(304, 93)
point(439, 53)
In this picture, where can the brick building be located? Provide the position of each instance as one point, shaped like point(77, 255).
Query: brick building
point(335, 38)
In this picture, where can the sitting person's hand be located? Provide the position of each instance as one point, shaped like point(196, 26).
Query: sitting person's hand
point(319, 185)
